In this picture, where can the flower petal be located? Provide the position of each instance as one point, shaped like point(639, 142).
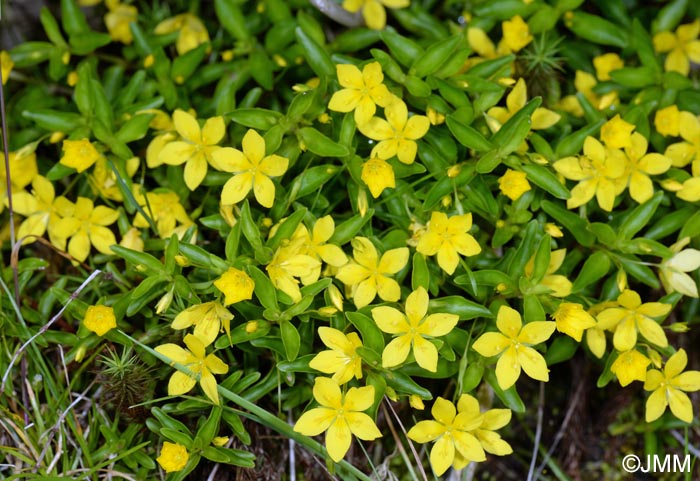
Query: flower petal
point(338, 439)
point(314, 421)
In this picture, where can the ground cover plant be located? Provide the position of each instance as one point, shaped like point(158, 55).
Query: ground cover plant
point(357, 240)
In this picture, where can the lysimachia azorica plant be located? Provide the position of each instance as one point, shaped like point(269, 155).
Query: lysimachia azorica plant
point(363, 227)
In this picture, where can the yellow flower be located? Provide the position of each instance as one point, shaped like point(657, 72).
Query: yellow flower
point(633, 316)
point(100, 319)
point(342, 359)
point(207, 318)
point(641, 165)
point(316, 246)
point(192, 34)
point(673, 271)
point(572, 320)
point(196, 148)
point(542, 118)
point(668, 387)
point(103, 179)
point(516, 33)
point(513, 184)
point(173, 457)
point(667, 121)
point(289, 262)
point(413, 327)
point(200, 365)
point(253, 170)
point(606, 63)
point(340, 415)
point(42, 211)
point(398, 134)
point(23, 170)
point(378, 175)
point(118, 19)
point(165, 209)
point(79, 154)
point(373, 10)
point(630, 366)
point(515, 339)
point(435, 117)
point(584, 83)
point(553, 230)
point(616, 133)
point(362, 93)
point(369, 274)
point(453, 433)
point(236, 286)
point(87, 225)
point(598, 171)
point(683, 47)
point(448, 237)
point(6, 65)
point(683, 153)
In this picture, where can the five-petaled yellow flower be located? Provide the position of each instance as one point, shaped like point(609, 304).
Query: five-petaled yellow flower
point(341, 359)
point(373, 10)
point(100, 319)
point(173, 457)
point(684, 47)
point(516, 33)
point(202, 367)
point(362, 93)
point(341, 416)
point(598, 172)
point(516, 339)
point(397, 134)
point(412, 329)
point(207, 318)
point(87, 225)
point(369, 274)
point(668, 387)
point(253, 170)
point(667, 121)
point(79, 154)
point(236, 286)
point(633, 316)
point(641, 165)
point(448, 237)
point(316, 245)
point(196, 148)
point(616, 133)
point(378, 174)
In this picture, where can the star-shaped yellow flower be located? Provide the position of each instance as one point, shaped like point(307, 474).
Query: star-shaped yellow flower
point(79, 154)
point(253, 170)
point(448, 237)
point(207, 318)
point(397, 134)
point(362, 93)
point(413, 328)
point(641, 165)
point(340, 415)
point(667, 121)
point(631, 317)
point(630, 366)
point(236, 286)
point(341, 359)
point(598, 171)
point(201, 366)
point(683, 45)
point(513, 184)
point(100, 319)
point(117, 21)
point(173, 457)
point(668, 387)
point(87, 225)
point(516, 33)
point(316, 245)
point(513, 342)
point(453, 433)
point(368, 274)
point(616, 133)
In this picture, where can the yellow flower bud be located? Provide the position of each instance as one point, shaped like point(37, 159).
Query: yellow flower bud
point(327, 311)
point(280, 60)
point(416, 402)
point(362, 202)
point(164, 302)
point(435, 117)
point(65, 58)
point(251, 327)
point(227, 55)
point(336, 297)
point(56, 137)
point(454, 171)
point(72, 79)
point(220, 441)
point(149, 61)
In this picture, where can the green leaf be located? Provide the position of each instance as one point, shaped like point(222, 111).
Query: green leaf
point(210, 428)
point(87, 42)
point(573, 223)
point(73, 19)
point(402, 49)
point(546, 179)
point(595, 267)
point(264, 288)
point(639, 217)
point(256, 118)
point(509, 397)
point(420, 275)
point(290, 339)
point(467, 136)
point(459, 306)
point(348, 229)
point(135, 128)
point(513, 132)
point(140, 260)
point(321, 145)
point(435, 56)
point(315, 55)
point(232, 19)
point(372, 336)
point(596, 29)
point(562, 349)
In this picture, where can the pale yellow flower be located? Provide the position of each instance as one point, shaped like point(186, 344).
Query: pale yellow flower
point(630, 366)
point(79, 154)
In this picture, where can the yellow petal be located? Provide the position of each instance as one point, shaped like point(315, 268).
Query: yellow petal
point(274, 165)
point(508, 368)
point(533, 364)
point(253, 146)
point(468, 446)
point(491, 344)
point(338, 439)
point(656, 405)
point(426, 431)
point(345, 100)
point(438, 324)
point(264, 190)
point(102, 238)
point(187, 126)
point(508, 321)
point(208, 383)
point(536, 332)
point(443, 411)
point(349, 76)
point(362, 426)
point(680, 405)
point(426, 353)
point(396, 351)
point(180, 383)
point(442, 455)
point(236, 188)
point(213, 131)
point(390, 320)
point(393, 260)
point(327, 393)
point(652, 331)
point(676, 363)
point(195, 171)
point(359, 398)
